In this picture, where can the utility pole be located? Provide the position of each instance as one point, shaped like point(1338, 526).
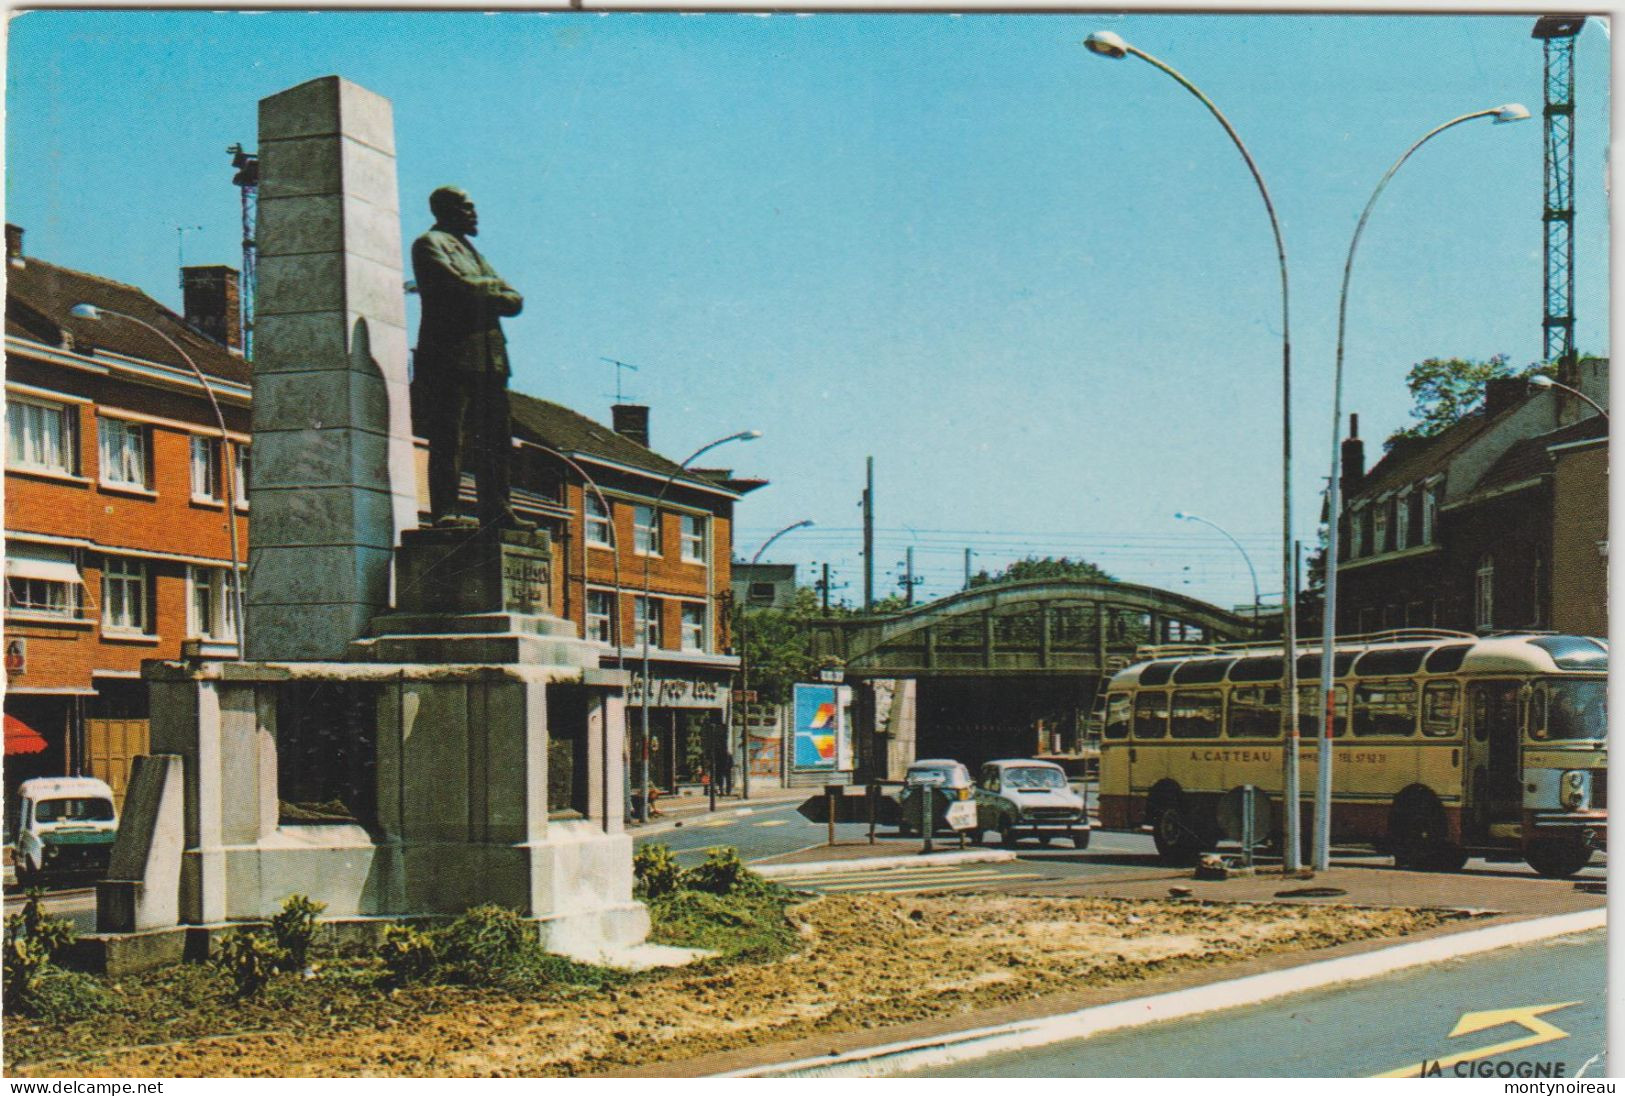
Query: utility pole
point(823, 588)
point(1558, 32)
point(869, 538)
point(908, 581)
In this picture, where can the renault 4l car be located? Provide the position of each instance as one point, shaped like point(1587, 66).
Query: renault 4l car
point(1018, 799)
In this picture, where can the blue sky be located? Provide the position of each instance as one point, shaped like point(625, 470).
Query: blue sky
point(1038, 287)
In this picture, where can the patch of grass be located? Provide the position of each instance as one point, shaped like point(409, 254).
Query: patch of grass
point(747, 923)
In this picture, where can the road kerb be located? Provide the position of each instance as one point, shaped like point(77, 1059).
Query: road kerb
point(782, 872)
point(963, 1046)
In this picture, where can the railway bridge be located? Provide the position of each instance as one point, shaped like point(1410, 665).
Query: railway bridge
point(1009, 669)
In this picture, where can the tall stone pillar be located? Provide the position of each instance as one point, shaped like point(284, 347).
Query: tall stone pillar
point(332, 482)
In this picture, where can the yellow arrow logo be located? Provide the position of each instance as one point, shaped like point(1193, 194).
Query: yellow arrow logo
point(1527, 1016)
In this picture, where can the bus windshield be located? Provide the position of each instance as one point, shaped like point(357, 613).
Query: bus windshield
point(1574, 710)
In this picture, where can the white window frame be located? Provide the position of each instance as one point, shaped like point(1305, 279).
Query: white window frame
point(44, 595)
point(1484, 592)
point(1379, 527)
point(601, 616)
point(693, 543)
point(204, 466)
point(29, 445)
point(1430, 511)
point(122, 443)
point(645, 533)
point(696, 628)
point(124, 595)
point(217, 582)
point(1402, 520)
point(646, 615)
point(241, 454)
point(1356, 528)
point(596, 520)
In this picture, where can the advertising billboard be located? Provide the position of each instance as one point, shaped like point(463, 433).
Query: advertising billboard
point(822, 737)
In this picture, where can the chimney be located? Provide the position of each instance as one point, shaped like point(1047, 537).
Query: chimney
point(212, 303)
point(14, 245)
point(632, 422)
point(1353, 459)
point(1501, 393)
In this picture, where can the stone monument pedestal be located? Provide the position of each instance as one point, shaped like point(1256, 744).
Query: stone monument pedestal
point(455, 758)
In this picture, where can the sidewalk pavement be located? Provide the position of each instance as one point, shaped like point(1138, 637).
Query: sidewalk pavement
point(1495, 897)
point(674, 810)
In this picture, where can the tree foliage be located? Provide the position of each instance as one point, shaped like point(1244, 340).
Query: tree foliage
point(1446, 390)
point(1046, 568)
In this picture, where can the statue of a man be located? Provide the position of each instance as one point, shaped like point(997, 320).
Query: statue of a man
point(460, 370)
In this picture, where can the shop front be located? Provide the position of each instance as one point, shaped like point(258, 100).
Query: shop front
point(688, 745)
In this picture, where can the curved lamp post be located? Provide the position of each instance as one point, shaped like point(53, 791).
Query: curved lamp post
point(1109, 45)
point(1510, 112)
point(227, 466)
point(1541, 380)
point(744, 661)
point(648, 685)
point(1182, 516)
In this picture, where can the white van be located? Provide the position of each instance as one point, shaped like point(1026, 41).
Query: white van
point(62, 824)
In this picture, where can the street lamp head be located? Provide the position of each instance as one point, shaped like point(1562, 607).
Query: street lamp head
point(85, 311)
point(1106, 44)
point(1182, 516)
point(1541, 380)
point(749, 435)
point(1511, 112)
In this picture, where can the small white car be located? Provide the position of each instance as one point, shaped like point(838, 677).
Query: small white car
point(1028, 798)
point(62, 824)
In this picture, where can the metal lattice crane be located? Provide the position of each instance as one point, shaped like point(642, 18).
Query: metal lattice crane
point(247, 180)
point(1558, 33)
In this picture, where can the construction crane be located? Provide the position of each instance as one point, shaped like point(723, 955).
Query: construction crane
point(1558, 33)
point(247, 180)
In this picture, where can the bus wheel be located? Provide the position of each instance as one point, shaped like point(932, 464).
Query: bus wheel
point(1420, 838)
point(1177, 843)
point(1556, 858)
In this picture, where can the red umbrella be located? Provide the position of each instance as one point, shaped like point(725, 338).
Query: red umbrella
point(21, 738)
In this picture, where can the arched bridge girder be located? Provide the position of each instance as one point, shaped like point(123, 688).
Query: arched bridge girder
point(1041, 626)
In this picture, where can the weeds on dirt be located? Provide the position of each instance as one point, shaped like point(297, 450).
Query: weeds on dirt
point(33, 984)
point(294, 930)
point(721, 905)
point(655, 872)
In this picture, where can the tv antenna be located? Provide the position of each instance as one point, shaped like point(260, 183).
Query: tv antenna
point(620, 368)
point(180, 250)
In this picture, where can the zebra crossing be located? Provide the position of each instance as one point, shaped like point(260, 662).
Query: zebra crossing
point(916, 879)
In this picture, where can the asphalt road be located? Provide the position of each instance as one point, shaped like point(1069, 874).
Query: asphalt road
point(1549, 996)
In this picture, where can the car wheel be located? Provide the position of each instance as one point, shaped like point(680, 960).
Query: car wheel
point(26, 875)
point(1007, 834)
point(1080, 839)
point(1043, 840)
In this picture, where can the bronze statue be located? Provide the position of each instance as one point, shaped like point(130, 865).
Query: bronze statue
point(460, 372)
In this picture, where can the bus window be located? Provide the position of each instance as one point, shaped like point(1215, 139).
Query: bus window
point(1119, 707)
point(1255, 712)
point(1151, 715)
point(1441, 708)
point(1312, 711)
point(1195, 713)
point(1569, 710)
point(1385, 708)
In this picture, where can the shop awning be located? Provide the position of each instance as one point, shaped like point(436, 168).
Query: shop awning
point(22, 739)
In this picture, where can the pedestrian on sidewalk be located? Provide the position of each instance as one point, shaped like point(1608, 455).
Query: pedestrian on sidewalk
point(725, 772)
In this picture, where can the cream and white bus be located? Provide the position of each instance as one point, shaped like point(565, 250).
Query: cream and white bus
point(1446, 745)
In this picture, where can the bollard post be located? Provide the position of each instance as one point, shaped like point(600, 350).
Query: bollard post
point(873, 795)
point(928, 818)
point(830, 792)
point(1247, 836)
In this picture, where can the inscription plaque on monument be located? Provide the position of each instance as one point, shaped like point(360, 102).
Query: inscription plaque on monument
point(459, 570)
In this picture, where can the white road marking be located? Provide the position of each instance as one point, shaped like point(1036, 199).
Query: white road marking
point(773, 822)
point(933, 885)
point(893, 873)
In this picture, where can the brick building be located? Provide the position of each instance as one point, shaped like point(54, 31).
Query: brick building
point(117, 546)
point(1497, 523)
point(599, 568)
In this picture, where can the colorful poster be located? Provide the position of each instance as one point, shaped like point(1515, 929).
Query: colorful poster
point(818, 723)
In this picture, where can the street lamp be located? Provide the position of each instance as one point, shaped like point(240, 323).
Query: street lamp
point(744, 661)
point(1109, 45)
point(648, 685)
point(1509, 112)
point(1541, 380)
point(1182, 516)
point(86, 311)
